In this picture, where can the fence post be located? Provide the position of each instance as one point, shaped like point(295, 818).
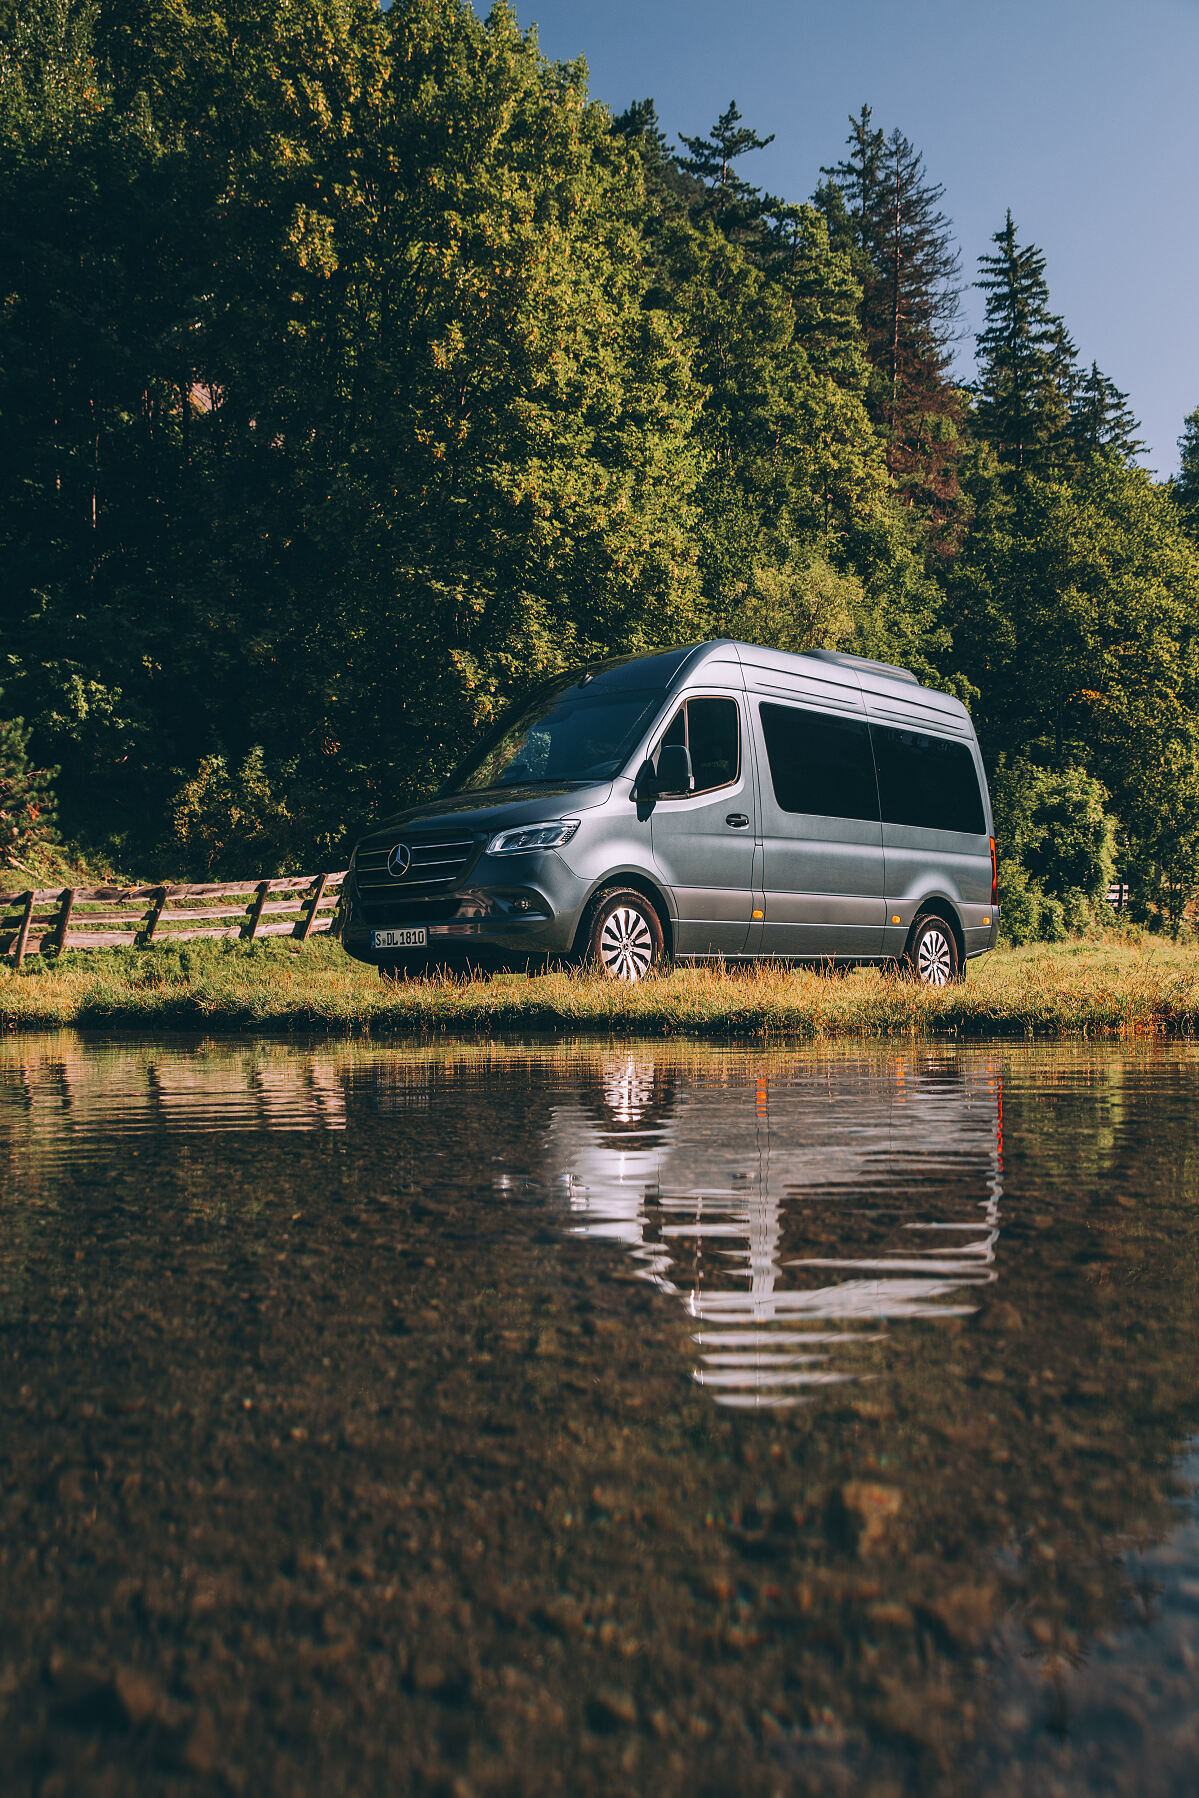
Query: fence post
point(305, 929)
point(156, 912)
point(64, 919)
point(264, 887)
point(23, 932)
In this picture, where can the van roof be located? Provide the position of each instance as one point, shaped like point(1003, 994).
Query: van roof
point(886, 693)
point(835, 657)
point(888, 690)
point(863, 664)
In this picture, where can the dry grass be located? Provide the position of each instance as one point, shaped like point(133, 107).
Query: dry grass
point(1084, 989)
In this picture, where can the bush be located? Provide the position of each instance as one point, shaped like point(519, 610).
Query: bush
point(1163, 849)
point(1057, 849)
point(229, 823)
point(26, 797)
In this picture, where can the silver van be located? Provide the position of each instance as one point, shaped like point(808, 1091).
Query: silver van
point(714, 802)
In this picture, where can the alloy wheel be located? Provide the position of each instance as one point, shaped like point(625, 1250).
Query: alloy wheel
point(934, 958)
point(626, 946)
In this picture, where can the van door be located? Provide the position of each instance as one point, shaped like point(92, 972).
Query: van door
point(704, 841)
point(821, 837)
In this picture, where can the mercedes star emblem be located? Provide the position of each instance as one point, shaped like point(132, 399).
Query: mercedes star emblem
point(399, 861)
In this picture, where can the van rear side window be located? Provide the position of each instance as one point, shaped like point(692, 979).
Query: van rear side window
point(819, 763)
point(927, 782)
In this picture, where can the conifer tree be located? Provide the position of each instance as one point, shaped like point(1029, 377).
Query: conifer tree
point(858, 178)
point(668, 184)
point(1024, 356)
point(1101, 420)
point(735, 204)
point(1186, 485)
point(908, 267)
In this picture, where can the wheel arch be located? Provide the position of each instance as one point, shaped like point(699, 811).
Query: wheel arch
point(639, 883)
point(935, 905)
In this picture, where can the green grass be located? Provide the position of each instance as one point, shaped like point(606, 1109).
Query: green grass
point(1104, 988)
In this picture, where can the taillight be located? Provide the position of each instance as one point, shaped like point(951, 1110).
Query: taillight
point(994, 875)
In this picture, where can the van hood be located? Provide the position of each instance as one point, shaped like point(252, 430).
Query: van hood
point(500, 806)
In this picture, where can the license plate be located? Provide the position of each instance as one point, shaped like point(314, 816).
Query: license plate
point(414, 938)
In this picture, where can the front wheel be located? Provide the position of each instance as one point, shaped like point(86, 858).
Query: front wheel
point(932, 953)
point(624, 936)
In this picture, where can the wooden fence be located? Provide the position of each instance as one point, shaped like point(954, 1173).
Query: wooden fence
point(299, 906)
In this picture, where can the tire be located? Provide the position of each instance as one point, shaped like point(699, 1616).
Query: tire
point(624, 937)
point(931, 956)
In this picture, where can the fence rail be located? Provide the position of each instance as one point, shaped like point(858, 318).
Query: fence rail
point(40, 920)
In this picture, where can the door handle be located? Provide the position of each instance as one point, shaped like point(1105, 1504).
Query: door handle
point(738, 821)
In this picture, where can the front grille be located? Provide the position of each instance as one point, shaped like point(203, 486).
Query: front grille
point(437, 863)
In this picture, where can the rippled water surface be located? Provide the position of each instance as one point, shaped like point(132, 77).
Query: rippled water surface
point(651, 1419)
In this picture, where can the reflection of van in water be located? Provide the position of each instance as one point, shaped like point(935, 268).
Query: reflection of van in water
point(800, 1208)
point(714, 801)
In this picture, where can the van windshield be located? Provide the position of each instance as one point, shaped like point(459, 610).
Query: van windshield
point(567, 734)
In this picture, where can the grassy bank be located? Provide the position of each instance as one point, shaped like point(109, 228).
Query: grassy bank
point(1091, 989)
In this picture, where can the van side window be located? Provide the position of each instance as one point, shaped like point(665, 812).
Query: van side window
point(819, 763)
point(927, 782)
point(710, 729)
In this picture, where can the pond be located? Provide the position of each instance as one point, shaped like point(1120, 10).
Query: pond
point(576, 1418)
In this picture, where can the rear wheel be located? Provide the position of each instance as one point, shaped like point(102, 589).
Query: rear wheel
point(625, 938)
point(932, 952)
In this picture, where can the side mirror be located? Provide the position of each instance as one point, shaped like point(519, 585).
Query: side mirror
point(675, 776)
point(645, 787)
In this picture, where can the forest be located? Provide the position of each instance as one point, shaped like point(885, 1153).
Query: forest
point(358, 370)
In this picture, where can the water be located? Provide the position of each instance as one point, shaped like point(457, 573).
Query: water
point(598, 1419)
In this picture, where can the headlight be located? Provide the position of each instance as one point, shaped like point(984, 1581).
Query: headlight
point(533, 836)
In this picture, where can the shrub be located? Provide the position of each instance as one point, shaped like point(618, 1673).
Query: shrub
point(26, 797)
point(1057, 848)
point(1163, 849)
point(227, 823)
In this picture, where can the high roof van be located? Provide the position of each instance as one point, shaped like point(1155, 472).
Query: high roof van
point(719, 801)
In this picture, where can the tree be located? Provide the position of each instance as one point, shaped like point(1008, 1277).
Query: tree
point(334, 411)
point(669, 187)
point(732, 202)
point(908, 266)
point(856, 184)
point(1023, 352)
point(1186, 487)
point(1074, 610)
point(26, 797)
point(1057, 847)
point(1101, 420)
point(1162, 853)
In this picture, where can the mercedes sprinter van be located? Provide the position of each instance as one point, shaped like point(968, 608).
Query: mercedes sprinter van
point(718, 801)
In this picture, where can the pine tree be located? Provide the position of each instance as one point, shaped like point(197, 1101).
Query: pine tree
point(1101, 420)
point(1024, 357)
point(1186, 486)
point(908, 267)
point(667, 183)
point(858, 180)
point(735, 205)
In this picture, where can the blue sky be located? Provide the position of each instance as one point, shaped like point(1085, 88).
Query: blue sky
point(1081, 115)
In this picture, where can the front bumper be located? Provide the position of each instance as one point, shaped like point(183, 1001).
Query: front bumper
point(519, 918)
